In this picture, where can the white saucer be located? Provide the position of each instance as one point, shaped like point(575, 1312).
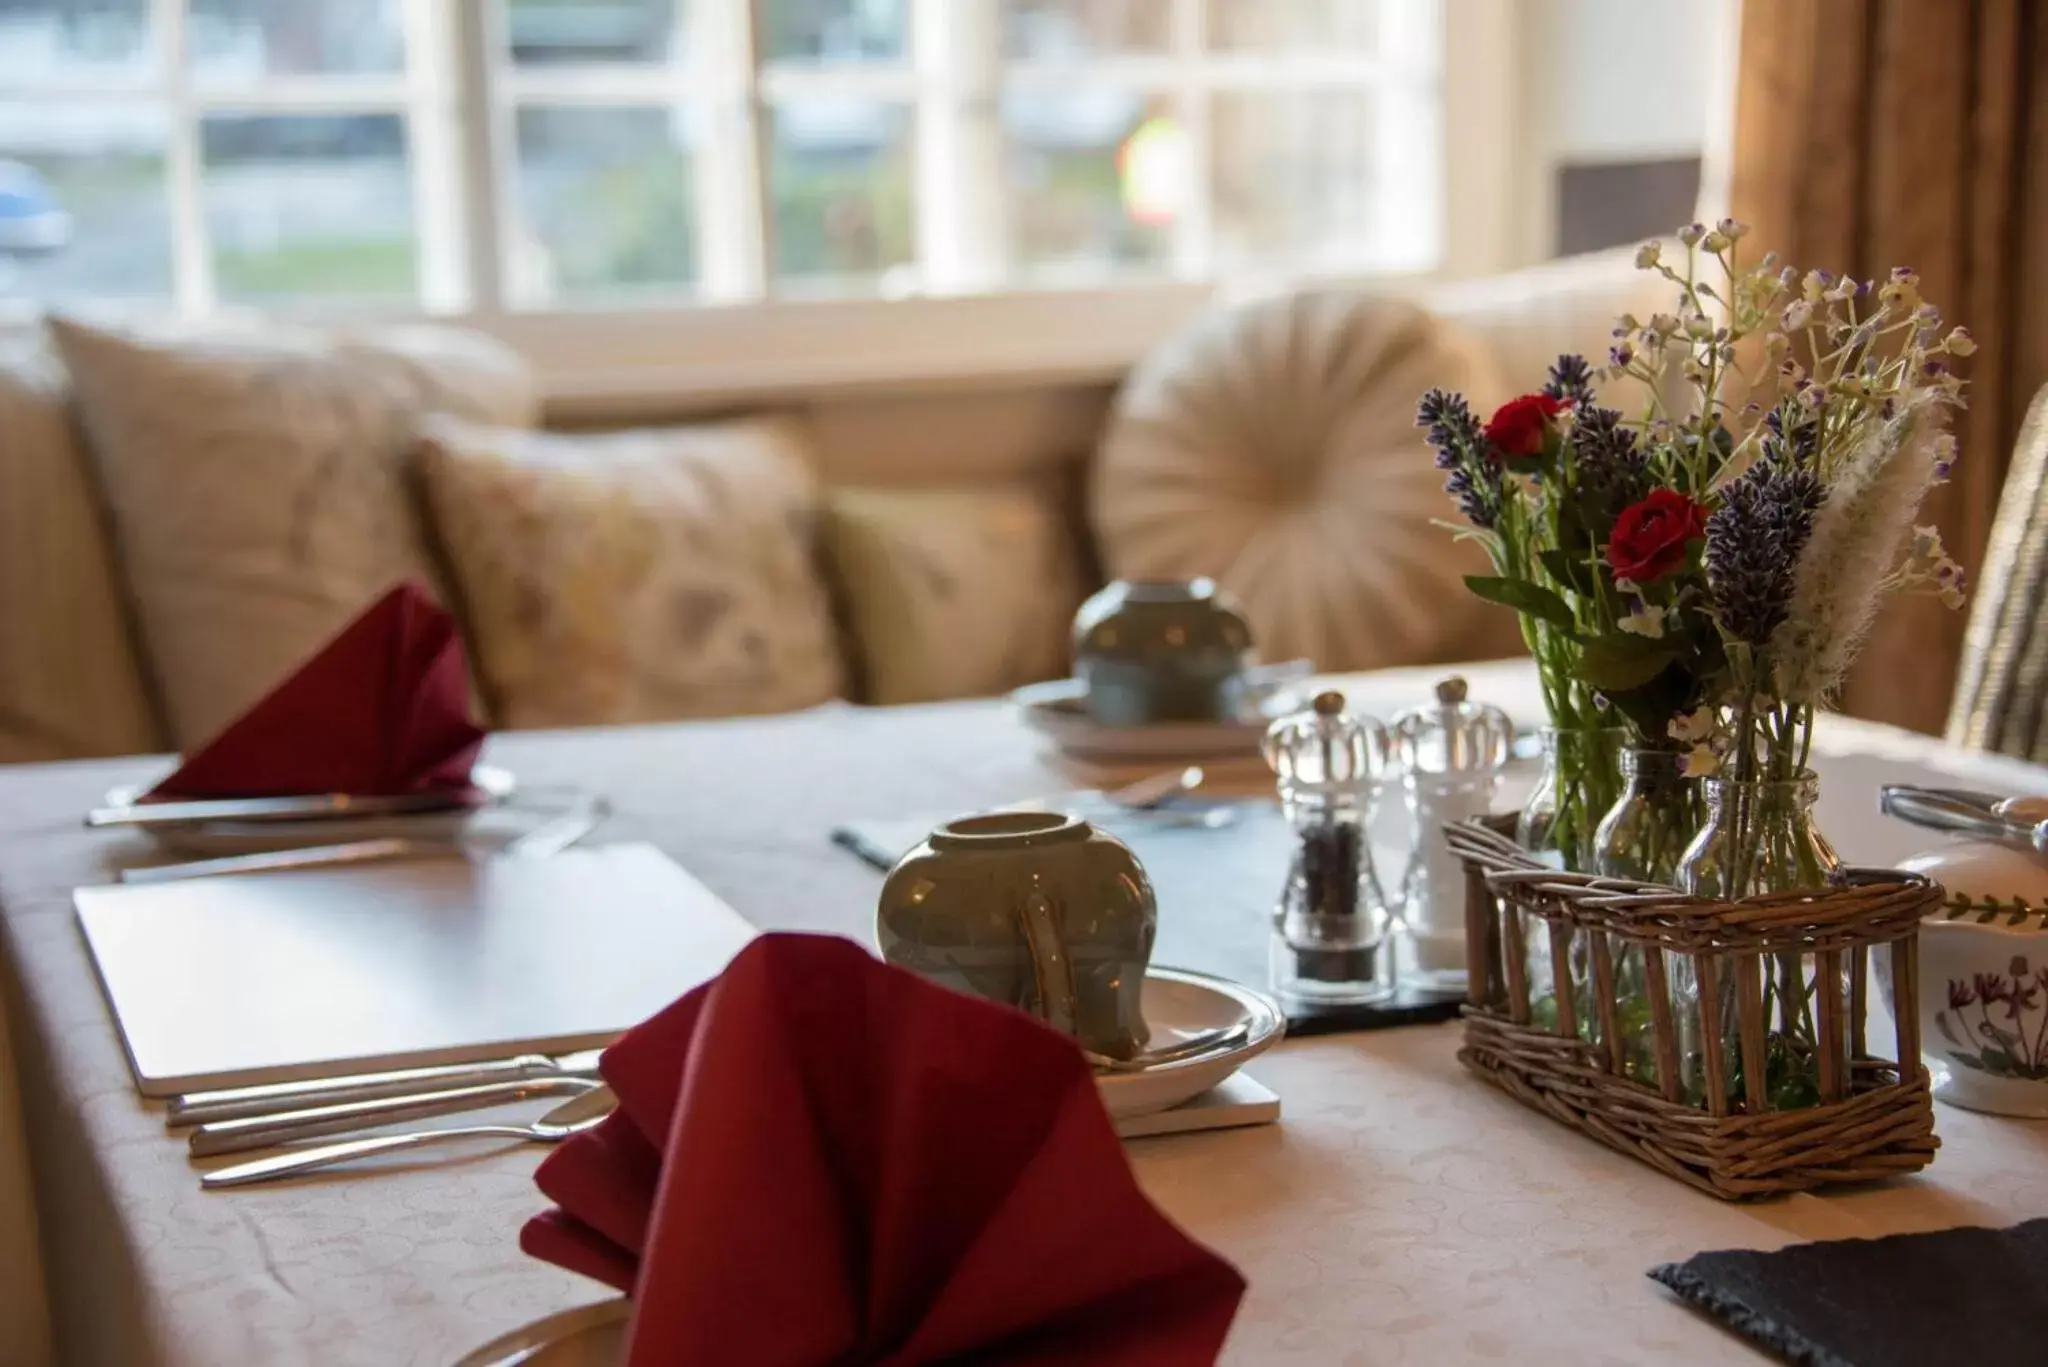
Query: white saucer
point(588, 1336)
point(1056, 710)
point(1178, 1005)
point(215, 838)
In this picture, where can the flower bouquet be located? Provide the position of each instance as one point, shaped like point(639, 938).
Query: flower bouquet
point(1700, 577)
point(1695, 578)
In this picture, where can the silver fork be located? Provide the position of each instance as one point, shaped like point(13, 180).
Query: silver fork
point(565, 1121)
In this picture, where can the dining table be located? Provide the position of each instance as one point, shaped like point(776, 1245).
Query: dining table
point(1400, 1211)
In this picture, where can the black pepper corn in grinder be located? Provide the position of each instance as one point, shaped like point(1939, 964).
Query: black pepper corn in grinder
point(1331, 928)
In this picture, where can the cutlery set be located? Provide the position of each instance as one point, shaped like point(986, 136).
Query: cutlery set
point(284, 1116)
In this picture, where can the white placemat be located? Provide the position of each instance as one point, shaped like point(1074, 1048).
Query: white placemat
point(268, 977)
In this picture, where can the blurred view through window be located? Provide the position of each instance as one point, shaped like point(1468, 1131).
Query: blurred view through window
point(535, 154)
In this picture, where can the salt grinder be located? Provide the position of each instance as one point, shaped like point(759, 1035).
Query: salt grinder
point(1451, 755)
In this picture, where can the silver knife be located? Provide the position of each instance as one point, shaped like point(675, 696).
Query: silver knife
point(306, 857)
point(317, 1122)
point(229, 1103)
point(304, 808)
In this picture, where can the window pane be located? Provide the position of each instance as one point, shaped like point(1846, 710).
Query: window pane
point(248, 40)
point(83, 212)
point(53, 41)
point(834, 30)
point(1097, 176)
point(556, 32)
point(1295, 25)
point(309, 205)
point(606, 198)
point(1293, 175)
point(1056, 29)
point(839, 190)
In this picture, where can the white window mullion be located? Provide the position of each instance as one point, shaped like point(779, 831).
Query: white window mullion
point(1194, 227)
point(1483, 149)
point(958, 196)
point(722, 85)
point(1408, 170)
point(435, 153)
point(191, 245)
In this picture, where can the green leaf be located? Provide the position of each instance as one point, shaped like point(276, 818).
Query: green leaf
point(1570, 571)
point(1623, 662)
point(1532, 600)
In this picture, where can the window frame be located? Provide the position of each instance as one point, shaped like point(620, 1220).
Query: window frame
point(730, 345)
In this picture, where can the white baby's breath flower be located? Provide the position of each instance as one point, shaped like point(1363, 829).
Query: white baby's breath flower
point(1647, 620)
point(1691, 234)
point(1648, 255)
point(1960, 342)
point(1733, 228)
point(1717, 241)
point(1798, 314)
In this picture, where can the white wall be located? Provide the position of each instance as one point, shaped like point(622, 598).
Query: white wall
point(1616, 81)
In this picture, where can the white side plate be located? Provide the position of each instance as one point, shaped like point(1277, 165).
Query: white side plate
point(1180, 1004)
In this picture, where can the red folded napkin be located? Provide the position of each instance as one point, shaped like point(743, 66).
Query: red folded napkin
point(382, 708)
point(818, 1158)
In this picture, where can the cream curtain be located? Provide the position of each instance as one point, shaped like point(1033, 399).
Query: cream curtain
point(1874, 133)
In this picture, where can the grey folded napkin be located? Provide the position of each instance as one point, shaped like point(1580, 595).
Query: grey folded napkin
point(1216, 887)
point(1957, 1295)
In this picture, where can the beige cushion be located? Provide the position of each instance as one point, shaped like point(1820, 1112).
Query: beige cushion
point(70, 683)
point(259, 486)
point(954, 593)
point(635, 576)
point(1273, 446)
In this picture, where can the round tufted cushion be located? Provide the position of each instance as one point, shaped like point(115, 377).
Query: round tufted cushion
point(1273, 447)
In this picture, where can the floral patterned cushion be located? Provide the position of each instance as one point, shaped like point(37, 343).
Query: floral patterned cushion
point(954, 593)
point(635, 576)
point(258, 486)
point(71, 683)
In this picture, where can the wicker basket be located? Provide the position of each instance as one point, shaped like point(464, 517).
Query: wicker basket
point(1870, 1121)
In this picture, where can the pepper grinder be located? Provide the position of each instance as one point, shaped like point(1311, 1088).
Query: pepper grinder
point(1330, 929)
point(1451, 756)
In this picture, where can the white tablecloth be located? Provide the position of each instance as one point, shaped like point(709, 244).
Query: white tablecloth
point(1402, 1212)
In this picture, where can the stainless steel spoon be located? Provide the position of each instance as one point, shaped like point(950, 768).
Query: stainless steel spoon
point(572, 1117)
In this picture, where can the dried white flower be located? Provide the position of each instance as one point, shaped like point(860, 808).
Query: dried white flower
point(1696, 725)
point(1648, 255)
point(1733, 228)
point(1646, 620)
point(1960, 342)
point(1699, 762)
point(1798, 314)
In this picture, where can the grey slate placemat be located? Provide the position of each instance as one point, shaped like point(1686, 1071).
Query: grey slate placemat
point(1957, 1295)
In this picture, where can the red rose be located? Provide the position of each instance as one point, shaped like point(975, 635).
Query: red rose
point(1522, 427)
point(1649, 537)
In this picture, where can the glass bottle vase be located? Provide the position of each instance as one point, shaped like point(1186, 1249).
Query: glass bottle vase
point(1758, 839)
point(1579, 781)
point(1640, 838)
